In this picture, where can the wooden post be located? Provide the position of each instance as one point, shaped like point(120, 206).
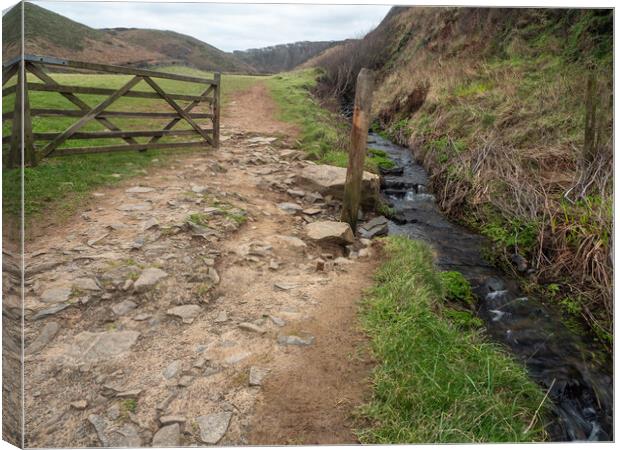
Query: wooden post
point(357, 151)
point(15, 157)
point(216, 109)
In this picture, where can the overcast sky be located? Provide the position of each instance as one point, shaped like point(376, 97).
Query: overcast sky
point(230, 26)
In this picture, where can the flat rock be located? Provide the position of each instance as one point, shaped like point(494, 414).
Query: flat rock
point(129, 207)
point(284, 286)
point(170, 419)
point(257, 375)
point(213, 426)
point(295, 340)
point(375, 227)
point(86, 284)
point(312, 211)
point(111, 435)
point(168, 436)
point(329, 180)
point(45, 337)
point(187, 313)
point(246, 326)
point(291, 241)
point(57, 294)
point(91, 347)
point(79, 404)
point(139, 190)
point(149, 278)
point(172, 370)
point(290, 208)
point(221, 317)
point(50, 311)
point(330, 231)
point(123, 307)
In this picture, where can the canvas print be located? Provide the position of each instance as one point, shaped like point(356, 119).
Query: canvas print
point(296, 224)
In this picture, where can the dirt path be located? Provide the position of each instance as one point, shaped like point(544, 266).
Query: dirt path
point(143, 329)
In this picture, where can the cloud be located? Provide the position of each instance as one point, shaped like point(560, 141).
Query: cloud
point(231, 26)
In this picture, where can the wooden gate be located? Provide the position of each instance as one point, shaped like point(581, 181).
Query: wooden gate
point(41, 67)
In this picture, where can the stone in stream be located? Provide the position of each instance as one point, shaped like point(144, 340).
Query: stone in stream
point(375, 227)
point(167, 436)
point(187, 313)
point(519, 262)
point(329, 180)
point(290, 208)
point(92, 347)
point(326, 231)
point(45, 337)
point(122, 308)
point(172, 370)
point(57, 294)
point(149, 278)
point(213, 426)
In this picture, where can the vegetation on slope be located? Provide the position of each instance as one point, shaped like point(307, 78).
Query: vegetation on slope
point(438, 380)
point(493, 102)
point(280, 58)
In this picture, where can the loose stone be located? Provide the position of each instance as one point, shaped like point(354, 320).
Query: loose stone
point(56, 294)
point(123, 307)
point(45, 337)
point(213, 426)
point(296, 340)
point(187, 313)
point(167, 436)
point(149, 278)
point(173, 369)
point(257, 375)
point(251, 327)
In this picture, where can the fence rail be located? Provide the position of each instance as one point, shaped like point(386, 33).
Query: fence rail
point(38, 145)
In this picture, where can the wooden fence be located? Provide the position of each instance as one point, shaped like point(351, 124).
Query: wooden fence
point(44, 68)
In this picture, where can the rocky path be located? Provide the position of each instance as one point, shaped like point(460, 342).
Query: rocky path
point(202, 303)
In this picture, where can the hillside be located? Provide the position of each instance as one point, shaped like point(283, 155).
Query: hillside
point(48, 33)
point(279, 58)
point(493, 102)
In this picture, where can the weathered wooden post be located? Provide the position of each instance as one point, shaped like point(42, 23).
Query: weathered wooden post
point(216, 109)
point(357, 150)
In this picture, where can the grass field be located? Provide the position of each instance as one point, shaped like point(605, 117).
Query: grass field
point(438, 379)
point(64, 181)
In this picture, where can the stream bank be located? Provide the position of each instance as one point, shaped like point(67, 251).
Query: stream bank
point(570, 369)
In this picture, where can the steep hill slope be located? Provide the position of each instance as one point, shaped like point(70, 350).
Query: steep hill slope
point(494, 102)
point(279, 58)
point(48, 33)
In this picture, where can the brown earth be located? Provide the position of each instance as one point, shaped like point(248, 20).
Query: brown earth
point(248, 275)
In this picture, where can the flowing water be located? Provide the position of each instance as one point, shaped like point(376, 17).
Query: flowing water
point(578, 379)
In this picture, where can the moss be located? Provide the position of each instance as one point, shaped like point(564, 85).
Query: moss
point(457, 288)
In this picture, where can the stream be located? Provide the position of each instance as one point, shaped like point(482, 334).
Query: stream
point(578, 379)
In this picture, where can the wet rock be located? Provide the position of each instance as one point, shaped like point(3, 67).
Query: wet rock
point(375, 227)
point(330, 232)
point(149, 278)
point(92, 347)
point(257, 375)
point(167, 436)
point(519, 262)
point(296, 340)
point(493, 284)
point(213, 426)
point(246, 326)
point(187, 313)
point(45, 337)
point(290, 208)
point(122, 308)
point(58, 294)
point(173, 369)
point(329, 180)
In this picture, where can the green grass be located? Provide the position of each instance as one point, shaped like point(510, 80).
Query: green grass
point(438, 381)
point(63, 183)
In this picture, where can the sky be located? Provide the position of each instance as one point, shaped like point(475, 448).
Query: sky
point(230, 26)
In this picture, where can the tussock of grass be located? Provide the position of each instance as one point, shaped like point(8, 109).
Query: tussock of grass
point(438, 381)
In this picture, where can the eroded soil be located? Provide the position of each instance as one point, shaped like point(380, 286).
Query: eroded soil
point(185, 307)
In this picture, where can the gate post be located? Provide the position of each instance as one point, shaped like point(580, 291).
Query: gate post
point(217, 76)
point(357, 150)
point(21, 121)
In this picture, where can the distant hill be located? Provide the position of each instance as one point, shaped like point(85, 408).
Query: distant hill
point(282, 57)
point(51, 34)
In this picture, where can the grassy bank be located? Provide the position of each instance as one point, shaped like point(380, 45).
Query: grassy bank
point(62, 183)
point(438, 379)
point(324, 133)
